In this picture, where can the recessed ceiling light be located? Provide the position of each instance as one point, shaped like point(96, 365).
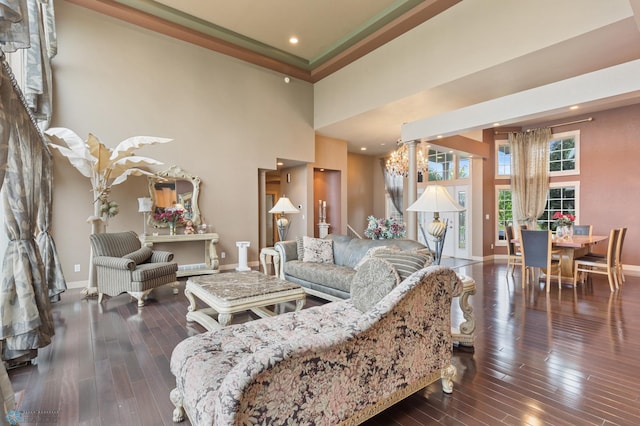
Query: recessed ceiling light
point(439, 136)
point(364, 148)
point(496, 124)
point(293, 40)
point(574, 107)
point(280, 163)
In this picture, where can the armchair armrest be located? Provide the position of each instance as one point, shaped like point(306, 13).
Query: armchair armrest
point(161, 256)
point(114, 262)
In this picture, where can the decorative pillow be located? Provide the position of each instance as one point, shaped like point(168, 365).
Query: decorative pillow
point(317, 250)
point(405, 262)
point(140, 256)
point(369, 254)
point(375, 279)
point(300, 247)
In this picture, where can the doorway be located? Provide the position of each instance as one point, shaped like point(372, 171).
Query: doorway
point(458, 239)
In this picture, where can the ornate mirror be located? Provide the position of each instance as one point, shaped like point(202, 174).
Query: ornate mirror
point(174, 188)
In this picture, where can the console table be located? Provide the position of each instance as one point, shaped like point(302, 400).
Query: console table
point(210, 255)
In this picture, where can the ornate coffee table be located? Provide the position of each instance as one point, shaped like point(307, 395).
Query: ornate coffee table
point(228, 293)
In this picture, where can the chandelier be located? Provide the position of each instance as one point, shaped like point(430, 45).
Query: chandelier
point(398, 162)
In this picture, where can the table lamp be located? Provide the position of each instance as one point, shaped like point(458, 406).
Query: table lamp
point(283, 206)
point(436, 199)
point(144, 206)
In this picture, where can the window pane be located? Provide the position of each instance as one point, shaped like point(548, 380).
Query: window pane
point(463, 168)
point(505, 214)
point(504, 160)
point(561, 200)
point(441, 165)
point(462, 221)
point(562, 154)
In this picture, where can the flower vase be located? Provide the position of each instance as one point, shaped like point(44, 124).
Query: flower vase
point(172, 228)
point(565, 232)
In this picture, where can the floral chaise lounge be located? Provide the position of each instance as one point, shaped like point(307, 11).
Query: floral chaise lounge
point(339, 363)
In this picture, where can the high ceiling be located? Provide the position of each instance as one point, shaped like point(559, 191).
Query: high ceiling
point(334, 33)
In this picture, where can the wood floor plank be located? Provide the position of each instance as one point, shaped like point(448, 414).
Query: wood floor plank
point(566, 358)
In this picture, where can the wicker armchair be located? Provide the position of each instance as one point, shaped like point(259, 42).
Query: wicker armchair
point(124, 265)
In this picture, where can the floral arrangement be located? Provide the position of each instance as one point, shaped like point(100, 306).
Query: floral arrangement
point(383, 229)
point(563, 219)
point(109, 208)
point(169, 215)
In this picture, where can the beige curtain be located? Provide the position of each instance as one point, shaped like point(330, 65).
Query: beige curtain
point(529, 174)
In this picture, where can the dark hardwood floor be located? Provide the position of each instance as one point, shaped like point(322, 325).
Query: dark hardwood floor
point(567, 358)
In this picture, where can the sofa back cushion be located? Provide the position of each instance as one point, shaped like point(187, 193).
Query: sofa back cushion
point(374, 280)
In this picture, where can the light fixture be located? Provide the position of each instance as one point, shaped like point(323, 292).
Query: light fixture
point(283, 206)
point(436, 199)
point(144, 206)
point(293, 40)
point(398, 162)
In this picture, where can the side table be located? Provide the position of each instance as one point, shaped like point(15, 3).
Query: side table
point(463, 335)
point(275, 259)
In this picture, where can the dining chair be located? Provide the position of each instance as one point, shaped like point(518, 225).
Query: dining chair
point(623, 232)
point(537, 254)
point(600, 265)
point(582, 229)
point(514, 255)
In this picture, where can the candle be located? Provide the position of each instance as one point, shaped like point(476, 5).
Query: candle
point(324, 211)
point(320, 210)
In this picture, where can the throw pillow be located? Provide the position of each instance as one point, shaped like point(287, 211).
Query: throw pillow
point(369, 254)
point(405, 262)
point(375, 279)
point(140, 256)
point(317, 250)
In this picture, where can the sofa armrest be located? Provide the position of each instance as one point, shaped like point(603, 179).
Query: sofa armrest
point(114, 263)
point(161, 256)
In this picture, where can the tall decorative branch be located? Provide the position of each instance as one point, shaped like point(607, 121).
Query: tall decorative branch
point(105, 167)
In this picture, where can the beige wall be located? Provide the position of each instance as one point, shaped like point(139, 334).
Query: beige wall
point(361, 191)
point(227, 118)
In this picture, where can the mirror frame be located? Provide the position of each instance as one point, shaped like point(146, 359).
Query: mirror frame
point(175, 173)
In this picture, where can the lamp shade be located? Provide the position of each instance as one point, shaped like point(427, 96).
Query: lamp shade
point(144, 204)
point(284, 206)
point(435, 198)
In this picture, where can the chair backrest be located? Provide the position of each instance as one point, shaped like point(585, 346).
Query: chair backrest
point(536, 248)
point(614, 235)
point(511, 246)
point(582, 229)
point(115, 244)
point(620, 243)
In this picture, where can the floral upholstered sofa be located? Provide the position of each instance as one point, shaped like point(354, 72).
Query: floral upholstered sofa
point(338, 363)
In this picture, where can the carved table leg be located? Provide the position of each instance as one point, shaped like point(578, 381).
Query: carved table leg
point(447, 375)
point(224, 319)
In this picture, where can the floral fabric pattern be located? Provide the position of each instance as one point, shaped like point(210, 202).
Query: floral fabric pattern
point(321, 365)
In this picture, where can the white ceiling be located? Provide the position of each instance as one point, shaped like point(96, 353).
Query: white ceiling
point(324, 27)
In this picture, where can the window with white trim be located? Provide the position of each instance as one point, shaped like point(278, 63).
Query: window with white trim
point(564, 155)
point(562, 197)
point(503, 159)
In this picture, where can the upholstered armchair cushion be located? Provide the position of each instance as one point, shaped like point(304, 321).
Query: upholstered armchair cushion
point(139, 256)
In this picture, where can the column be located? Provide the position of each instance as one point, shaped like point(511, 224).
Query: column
point(412, 191)
point(242, 256)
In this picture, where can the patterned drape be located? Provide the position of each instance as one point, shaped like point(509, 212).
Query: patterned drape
point(394, 186)
point(30, 25)
point(529, 174)
point(25, 312)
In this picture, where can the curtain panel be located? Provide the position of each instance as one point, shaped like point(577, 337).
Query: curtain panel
point(529, 174)
point(394, 187)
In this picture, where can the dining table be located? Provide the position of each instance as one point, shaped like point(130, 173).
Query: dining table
point(571, 249)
